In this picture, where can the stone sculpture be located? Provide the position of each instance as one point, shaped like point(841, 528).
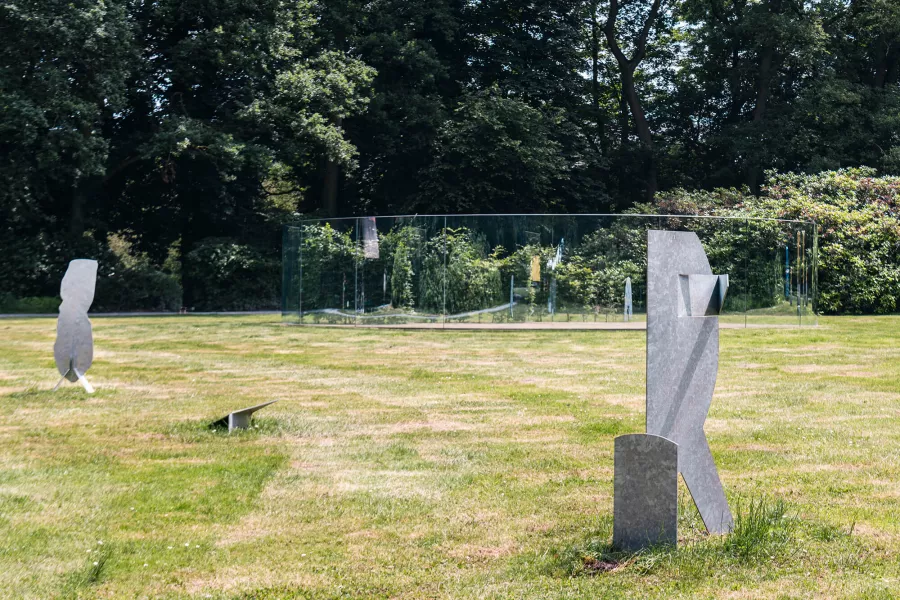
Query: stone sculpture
point(74, 347)
point(628, 306)
point(240, 419)
point(645, 505)
point(683, 301)
point(370, 238)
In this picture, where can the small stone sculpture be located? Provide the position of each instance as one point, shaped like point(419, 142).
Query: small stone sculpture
point(628, 306)
point(683, 301)
point(370, 238)
point(645, 505)
point(74, 347)
point(240, 419)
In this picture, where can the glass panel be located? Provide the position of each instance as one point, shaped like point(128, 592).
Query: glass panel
point(540, 271)
point(762, 247)
point(401, 271)
point(328, 254)
point(474, 290)
point(290, 275)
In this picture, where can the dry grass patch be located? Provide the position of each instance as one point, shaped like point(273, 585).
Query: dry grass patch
point(450, 464)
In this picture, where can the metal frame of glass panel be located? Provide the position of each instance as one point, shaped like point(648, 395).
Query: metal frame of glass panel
point(540, 271)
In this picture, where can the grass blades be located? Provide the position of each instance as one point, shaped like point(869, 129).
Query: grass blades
point(434, 464)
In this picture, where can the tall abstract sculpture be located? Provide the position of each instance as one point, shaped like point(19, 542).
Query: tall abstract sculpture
point(684, 300)
point(74, 347)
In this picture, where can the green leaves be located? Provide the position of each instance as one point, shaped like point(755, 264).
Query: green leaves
point(858, 222)
point(496, 154)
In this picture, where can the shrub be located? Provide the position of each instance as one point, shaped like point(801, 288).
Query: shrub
point(858, 221)
point(472, 276)
point(31, 305)
point(328, 257)
point(402, 277)
point(232, 276)
point(140, 288)
point(127, 281)
point(858, 218)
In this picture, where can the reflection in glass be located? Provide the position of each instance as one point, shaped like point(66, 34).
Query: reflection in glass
point(551, 270)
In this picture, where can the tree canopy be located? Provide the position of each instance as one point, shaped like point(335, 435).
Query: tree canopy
point(187, 130)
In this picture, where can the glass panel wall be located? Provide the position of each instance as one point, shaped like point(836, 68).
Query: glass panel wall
point(401, 270)
point(553, 271)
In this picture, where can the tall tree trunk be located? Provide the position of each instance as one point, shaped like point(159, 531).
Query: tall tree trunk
point(765, 78)
point(627, 67)
point(637, 111)
point(881, 66)
point(332, 168)
point(891, 65)
point(186, 245)
point(595, 71)
point(643, 129)
point(734, 108)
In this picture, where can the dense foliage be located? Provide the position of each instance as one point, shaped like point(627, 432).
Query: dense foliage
point(858, 221)
point(458, 274)
point(858, 218)
point(453, 271)
point(193, 129)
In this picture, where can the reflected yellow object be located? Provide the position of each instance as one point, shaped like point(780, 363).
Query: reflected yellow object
point(535, 268)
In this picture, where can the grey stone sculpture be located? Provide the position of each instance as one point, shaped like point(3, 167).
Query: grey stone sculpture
point(683, 301)
point(646, 492)
point(628, 306)
point(74, 347)
point(370, 238)
point(240, 419)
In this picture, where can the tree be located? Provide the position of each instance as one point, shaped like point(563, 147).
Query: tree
point(233, 102)
point(627, 66)
point(496, 154)
point(186, 126)
point(63, 69)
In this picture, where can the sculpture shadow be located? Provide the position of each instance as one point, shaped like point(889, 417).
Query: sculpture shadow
point(198, 430)
point(62, 395)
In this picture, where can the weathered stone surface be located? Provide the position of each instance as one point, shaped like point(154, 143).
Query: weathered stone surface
point(683, 361)
point(74, 347)
point(645, 502)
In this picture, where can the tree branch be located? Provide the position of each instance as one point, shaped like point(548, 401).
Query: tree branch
point(641, 46)
point(609, 30)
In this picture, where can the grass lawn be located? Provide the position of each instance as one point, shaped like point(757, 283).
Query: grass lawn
point(433, 464)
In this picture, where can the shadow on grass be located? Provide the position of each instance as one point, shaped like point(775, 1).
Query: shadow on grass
point(198, 430)
point(67, 392)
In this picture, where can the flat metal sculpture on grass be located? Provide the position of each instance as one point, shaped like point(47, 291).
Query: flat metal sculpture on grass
point(683, 301)
point(240, 419)
point(74, 347)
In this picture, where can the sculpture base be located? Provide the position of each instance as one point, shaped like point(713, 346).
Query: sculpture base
point(645, 501)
